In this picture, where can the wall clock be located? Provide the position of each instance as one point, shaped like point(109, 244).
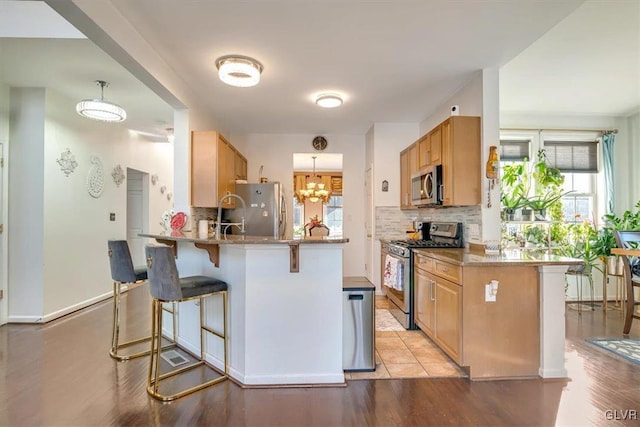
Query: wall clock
point(319, 143)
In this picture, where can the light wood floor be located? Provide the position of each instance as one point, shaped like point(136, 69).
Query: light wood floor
point(60, 374)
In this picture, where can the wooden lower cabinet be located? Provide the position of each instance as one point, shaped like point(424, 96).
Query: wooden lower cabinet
point(490, 340)
point(424, 299)
point(448, 314)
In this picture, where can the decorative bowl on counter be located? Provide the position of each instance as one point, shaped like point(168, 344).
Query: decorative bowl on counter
point(178, 221)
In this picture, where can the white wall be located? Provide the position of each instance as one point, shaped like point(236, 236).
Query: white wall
point(25, 224)
point(275, 152)
point(70, 268)
point(468, 98)
point(4, 140)
point(389, 139)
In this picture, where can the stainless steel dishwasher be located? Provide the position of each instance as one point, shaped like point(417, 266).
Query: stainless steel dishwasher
point(358, 325)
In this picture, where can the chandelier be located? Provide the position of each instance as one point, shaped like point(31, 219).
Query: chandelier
point(99, 109)
point(314, 191)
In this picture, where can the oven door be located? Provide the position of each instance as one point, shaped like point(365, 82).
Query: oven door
point(424, 187)
point(400, 304)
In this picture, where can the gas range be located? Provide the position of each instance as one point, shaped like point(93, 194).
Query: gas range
point(436, 235)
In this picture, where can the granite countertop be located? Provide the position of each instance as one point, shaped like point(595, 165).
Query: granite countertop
point(191, 236)
point(507, 257)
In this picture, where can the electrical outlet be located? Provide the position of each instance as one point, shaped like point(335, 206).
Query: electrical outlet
point(474, 230)
point(489, 294)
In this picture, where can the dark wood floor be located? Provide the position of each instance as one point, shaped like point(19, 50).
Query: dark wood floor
point(60, 374)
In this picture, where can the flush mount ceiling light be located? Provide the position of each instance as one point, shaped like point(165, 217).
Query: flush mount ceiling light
point(329, 100)
point(99, 109)
point(240, 71)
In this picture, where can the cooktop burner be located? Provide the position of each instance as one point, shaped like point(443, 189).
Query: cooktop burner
point(423, 244)
point(441, 235)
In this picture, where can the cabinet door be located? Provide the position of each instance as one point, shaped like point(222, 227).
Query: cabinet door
point(405, 179)
point(204, 168)
point(226, 168)
point(424, 299)
point(435, 146)
point(424, 152)
point(413, 159)
point(448, 315)
point(240, 166)
point(447, 164)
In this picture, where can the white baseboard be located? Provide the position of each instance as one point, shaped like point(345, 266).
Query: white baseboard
point(63, 312)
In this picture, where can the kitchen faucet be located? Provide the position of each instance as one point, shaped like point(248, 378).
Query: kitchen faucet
point(244, 213)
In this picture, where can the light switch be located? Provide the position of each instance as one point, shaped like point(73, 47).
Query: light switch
point(112, 216)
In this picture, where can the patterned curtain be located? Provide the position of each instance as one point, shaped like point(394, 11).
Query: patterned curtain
point(607, 146)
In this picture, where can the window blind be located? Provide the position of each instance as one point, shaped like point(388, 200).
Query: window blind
point(514, 150)
point(572, 156)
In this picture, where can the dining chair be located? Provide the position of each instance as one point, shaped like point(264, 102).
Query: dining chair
point(628, 242)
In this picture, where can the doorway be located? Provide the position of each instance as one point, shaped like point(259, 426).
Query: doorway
point(137, 213)
point(320, 171)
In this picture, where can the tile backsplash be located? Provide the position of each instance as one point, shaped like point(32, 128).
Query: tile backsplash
point(392, 222)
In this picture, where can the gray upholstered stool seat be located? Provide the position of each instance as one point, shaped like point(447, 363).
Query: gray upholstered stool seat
point(123, 272)
point(165, 285)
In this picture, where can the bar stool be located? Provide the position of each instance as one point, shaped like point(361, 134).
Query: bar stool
point(165, 285)
point(123, 271)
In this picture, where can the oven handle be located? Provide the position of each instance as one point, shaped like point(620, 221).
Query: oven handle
point(428, 177)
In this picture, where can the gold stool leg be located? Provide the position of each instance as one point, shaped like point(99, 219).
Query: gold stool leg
point(154, 378)
point(115, 343)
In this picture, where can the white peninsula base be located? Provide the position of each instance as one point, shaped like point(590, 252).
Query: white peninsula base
point(285, 327)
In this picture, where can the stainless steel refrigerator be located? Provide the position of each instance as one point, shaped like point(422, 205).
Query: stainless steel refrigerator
point(266, 209)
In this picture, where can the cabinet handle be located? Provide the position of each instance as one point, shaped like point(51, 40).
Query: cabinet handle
point(431, 295)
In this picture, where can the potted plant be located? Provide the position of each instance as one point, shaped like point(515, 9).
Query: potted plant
point(540, 204)
point(514, 186)
point(605, 240)
point(547, 186)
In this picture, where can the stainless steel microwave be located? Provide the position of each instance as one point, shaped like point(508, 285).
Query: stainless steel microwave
point(426, 186)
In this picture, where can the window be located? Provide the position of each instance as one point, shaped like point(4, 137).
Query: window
point(333, 215)
point(579, 205)
point(578, 162)
point(514, 150)
point(298, 215)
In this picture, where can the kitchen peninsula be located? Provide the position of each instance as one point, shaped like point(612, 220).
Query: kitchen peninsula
point(498, 316)
point(285, 305)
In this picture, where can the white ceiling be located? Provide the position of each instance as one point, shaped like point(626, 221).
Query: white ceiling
point(589, 64)
point(395, 61)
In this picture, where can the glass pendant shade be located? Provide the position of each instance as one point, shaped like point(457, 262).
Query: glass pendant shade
point(99, 109)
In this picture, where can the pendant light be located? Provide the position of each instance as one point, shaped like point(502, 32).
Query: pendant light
point(314, 192)
point(99, 109)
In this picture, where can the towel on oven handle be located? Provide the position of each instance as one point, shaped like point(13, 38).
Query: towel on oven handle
point(393, 273)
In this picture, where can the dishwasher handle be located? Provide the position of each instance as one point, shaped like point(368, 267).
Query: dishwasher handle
point(356, 297)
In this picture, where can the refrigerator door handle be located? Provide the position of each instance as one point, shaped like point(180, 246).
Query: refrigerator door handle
point(283, 214)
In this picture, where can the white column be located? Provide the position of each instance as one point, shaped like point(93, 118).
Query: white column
point(552, 321)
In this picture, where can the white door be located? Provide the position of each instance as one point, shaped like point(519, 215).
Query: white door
point(368, 224)
point(137, 217)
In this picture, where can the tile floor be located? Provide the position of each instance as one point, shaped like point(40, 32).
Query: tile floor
point(407, 354)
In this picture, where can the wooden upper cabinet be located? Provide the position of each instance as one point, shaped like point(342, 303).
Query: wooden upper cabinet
point(413, 159)
point(405, 180)
point(456, 145)
point(424, 152)
point(461, 158)
point(215, 165)
point(435, 146)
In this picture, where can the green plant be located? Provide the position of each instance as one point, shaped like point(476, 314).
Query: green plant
point(579, 244)
point(605, 240)
point(514, 186)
